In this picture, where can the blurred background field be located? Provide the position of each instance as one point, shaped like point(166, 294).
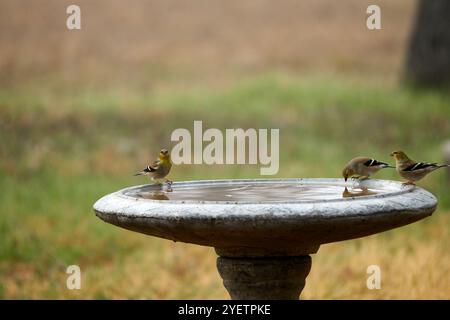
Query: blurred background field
point(81, 111)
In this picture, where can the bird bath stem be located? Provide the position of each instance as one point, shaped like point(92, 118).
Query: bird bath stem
point(264, 278)
point(265, 230)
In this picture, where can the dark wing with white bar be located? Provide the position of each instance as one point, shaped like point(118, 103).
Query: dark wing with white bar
point(151, 168)
point(421, 166)
point(375, 163)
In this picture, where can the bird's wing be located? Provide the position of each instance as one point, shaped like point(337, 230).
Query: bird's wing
point(374, 163)
point(154, 166)
point(420, 166)
point(151, 168)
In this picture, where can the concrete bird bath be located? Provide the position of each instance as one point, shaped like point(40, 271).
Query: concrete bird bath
point(264, 230)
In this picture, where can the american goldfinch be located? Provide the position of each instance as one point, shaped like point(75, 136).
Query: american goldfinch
point(160, 168)
point(363, 167)
point(412, 170)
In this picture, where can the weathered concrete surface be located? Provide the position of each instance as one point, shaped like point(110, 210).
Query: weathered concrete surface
point(264, 278)
point(269, 229)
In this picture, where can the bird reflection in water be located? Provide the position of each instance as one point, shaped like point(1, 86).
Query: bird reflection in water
point(157, 195)
point(364, 192)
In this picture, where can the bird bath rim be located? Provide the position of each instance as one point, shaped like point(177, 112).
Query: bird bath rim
point(277, 226)
point(411, 201)
point(369, 183)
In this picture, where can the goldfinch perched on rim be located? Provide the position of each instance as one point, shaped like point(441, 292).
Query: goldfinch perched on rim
point(363, 167)
point(160, 168)
point(412, 170)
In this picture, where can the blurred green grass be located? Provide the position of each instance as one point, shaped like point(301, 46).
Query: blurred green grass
point(60, 151)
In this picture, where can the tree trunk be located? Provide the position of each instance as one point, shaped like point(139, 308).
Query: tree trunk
point(428, 58)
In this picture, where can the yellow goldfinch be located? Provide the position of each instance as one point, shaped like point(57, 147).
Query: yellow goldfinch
point(363, 167)
point(412, 170)
point(160, 168)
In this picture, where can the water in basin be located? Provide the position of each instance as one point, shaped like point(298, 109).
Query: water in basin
point(254, 192)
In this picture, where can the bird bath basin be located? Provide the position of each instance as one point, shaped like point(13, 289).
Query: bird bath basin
point(264, 230)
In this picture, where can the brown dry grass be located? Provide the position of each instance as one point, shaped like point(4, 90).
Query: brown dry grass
point(145, 43)
point(413, 266)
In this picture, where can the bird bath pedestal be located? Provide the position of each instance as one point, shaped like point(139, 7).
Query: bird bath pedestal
point(265, 230)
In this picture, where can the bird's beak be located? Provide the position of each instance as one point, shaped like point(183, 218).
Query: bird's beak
point(345, 178)
point(392, 154)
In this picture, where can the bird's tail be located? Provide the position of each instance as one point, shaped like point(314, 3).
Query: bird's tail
point(142, 173)
point(145, 171)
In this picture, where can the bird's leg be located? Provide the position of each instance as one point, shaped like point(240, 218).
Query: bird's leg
point(169, 185)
